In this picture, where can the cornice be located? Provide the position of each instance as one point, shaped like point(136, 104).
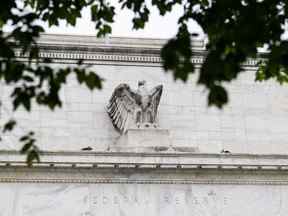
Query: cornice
point(69, 49)
point(92, 41)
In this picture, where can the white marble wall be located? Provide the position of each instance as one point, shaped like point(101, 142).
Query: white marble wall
point(255, 121)
point(142, 199)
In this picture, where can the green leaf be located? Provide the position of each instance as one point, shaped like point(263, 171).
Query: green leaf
point(9, 126)
point(217, 96)
point(93, 81)
point(32, 156)
point(24, 138)
point(26, 147)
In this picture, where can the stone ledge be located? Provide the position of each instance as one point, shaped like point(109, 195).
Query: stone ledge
point(167, 160)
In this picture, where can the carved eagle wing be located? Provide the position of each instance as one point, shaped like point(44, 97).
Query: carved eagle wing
point(155, 94)
point(121, 107)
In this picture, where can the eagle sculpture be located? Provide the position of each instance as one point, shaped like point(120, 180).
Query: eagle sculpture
point(129, 108)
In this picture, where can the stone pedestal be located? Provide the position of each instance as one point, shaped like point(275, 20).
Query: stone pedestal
point(143, 140)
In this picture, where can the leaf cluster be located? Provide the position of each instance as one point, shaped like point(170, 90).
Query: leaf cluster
point(36, 81)
point(30, 149)
point(235, 31)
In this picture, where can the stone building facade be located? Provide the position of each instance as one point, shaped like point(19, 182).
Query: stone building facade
point(190, 177)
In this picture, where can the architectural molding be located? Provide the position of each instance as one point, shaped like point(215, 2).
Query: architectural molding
point(69, 49)
point(165, 161)
point(128, 176)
